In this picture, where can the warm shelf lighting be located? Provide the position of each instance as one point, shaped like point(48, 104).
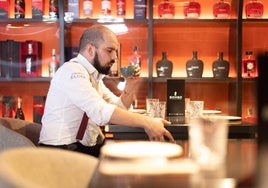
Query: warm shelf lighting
point(118, 29)
point(117, 25)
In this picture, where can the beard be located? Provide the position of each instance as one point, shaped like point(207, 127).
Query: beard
point(101, 69)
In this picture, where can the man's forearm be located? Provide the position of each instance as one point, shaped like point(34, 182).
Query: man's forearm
point(127, 97)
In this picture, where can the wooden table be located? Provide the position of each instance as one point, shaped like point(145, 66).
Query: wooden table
point(238, 171)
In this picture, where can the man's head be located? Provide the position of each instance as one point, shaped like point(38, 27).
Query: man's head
point(99, 45)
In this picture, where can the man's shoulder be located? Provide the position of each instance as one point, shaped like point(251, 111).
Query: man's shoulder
point(73, 66)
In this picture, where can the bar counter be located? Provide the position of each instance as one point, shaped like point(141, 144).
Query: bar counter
point(179, 132)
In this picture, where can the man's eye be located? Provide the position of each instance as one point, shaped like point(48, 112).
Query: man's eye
point(109, 50)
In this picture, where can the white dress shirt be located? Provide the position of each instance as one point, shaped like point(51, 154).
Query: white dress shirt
point(77, 87)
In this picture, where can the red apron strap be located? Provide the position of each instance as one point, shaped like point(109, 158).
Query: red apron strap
point(82, 128)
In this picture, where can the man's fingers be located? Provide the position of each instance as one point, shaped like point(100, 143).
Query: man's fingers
point(169, 136)
point(166, 134)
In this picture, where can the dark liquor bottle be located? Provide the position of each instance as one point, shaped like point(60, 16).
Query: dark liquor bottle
point(220, 67)
point(37, 9)
point(19, 113)
point(164, 67)
point(121, 8)
point(194, 67)
point(249, 66)
point(166, 9)
point(53, 9)
point(106, 7)
point(30, 60)
point(19, 9)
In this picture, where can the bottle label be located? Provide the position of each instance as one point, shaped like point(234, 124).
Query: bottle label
point(28, 64)
point(250, 66)
point(19, 9)
point(167, 15)
point(106, 7)
point(163, 71)
point(221, 68)
point(53, 9)
point(121, 7)
point(37, 8)
point(192, 15)
point(4, 8)
point(88, 5)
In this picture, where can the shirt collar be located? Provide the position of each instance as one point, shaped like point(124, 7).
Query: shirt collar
point(90, 68)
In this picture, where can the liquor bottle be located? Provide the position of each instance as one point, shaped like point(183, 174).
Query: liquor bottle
point(250, 118)
point(192, 9)
point(8, 106)
point(164, 67)
point(53, 63)
point(19, 113)
point(166, 9)
point(88, 8)
point(37, 9)
point(106, 7)
point(19, 9)
point(53, 9)
point(220, 67)
point(140, 9)
point(135, 59)
point(194, 67)
point(30, 60)
point(114, 69)
point(254, 9)
point(4, 9)
point(120, 8)
point(222, 9)
point(249, 66)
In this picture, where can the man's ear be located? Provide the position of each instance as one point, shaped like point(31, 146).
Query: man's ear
point(91, 50)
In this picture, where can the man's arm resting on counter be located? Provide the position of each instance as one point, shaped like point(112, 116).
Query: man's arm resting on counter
point(154, 127)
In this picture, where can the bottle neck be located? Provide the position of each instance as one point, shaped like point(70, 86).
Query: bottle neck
point(248, 54)
point(53, 57)
point(164, 55)
point(194, 55)
point(220, 56)
point(19, 103)
point(30, 49)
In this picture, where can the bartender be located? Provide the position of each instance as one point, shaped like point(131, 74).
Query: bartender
point(77, 95)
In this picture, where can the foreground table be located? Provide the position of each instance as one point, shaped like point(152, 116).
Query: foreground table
point(238, 171)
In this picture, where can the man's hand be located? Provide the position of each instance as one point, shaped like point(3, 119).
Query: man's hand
point(156, 130)
point(132, 82)
point(137, 71)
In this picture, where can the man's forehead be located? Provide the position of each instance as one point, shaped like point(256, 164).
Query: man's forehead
point(110, 41)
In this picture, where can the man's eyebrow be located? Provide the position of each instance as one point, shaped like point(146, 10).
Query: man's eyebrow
point(110, 48)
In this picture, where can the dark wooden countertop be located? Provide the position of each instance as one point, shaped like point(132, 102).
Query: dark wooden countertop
point(179, 132)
